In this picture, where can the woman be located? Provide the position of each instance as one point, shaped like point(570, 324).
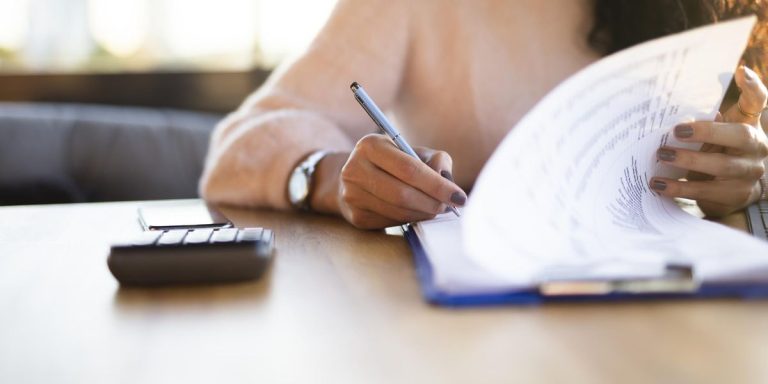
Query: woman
point(457, 76)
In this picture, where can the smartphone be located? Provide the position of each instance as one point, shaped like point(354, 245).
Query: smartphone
point(180, 215)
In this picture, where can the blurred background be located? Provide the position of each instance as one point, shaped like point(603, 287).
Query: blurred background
point(104, 100)
point(128, 51)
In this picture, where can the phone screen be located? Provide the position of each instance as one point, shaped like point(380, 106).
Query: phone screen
point(195, 214)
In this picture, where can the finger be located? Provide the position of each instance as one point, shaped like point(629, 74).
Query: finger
point(362, 199)
point(437, 160)
point(440, 161)
point(709, 148)
point(392, 190)
point(712, 148)
point(424, 153)
point(443, 164)
point(715, 164)
point(751, 100)
point(739, 136)
point(417, 174)
point(726, 192)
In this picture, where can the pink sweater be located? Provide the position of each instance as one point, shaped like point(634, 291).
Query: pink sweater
point(455, 75)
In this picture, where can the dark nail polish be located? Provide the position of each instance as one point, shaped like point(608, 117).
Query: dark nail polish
point(684, 130)
point(666, 154)
point(447, 175)
point(458, 198)
point(658, 185)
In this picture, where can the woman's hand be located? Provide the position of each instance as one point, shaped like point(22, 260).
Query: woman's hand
point(380, 186)
point(725, 175)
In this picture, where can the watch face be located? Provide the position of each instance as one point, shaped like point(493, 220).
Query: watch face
point(298, 187)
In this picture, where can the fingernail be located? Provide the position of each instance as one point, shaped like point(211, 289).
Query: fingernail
point(684, 130)
point(447, 175)
point(458, 198)
point(666, 154)
point(750, 74)
point(658, 185)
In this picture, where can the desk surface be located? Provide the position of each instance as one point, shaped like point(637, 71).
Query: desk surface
point(339, 305)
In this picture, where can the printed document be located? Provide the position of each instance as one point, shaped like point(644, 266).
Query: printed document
point(565, 195)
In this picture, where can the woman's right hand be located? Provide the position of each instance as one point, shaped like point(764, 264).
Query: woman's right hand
point(381, 186)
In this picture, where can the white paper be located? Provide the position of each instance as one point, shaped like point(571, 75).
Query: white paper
point(454, 272)
point(566, 193)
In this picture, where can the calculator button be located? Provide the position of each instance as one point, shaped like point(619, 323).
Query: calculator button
point(145, 238)
point(198, 236)
point(267, 236)
point(249, 234)
point(224, 235)
point(172, 237)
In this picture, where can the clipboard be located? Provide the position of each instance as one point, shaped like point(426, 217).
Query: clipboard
point(541, 295)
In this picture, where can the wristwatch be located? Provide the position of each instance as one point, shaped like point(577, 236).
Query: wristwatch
point(300, 181)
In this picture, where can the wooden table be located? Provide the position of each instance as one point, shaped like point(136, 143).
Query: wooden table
point(339, 305)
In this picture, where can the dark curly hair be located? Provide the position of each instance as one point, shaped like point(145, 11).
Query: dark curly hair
point(619, 24)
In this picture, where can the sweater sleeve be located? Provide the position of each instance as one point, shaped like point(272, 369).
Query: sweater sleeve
point(306, 105)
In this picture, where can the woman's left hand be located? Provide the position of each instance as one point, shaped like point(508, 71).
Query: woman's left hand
point(733, 155)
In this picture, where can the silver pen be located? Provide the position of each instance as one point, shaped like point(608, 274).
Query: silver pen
point(381, 120)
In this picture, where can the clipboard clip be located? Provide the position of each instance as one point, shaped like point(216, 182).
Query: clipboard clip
point(676, 279)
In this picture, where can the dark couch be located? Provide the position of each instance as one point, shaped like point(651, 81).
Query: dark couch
point(58, 153)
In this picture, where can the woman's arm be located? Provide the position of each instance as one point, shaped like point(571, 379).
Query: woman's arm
point(306, 105)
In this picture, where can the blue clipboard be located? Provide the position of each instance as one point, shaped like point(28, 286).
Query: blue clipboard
point(434, 295)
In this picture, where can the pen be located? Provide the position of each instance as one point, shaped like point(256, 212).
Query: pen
point(381, 120)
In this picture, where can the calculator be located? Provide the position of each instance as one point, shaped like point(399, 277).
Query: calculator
point(192, 256)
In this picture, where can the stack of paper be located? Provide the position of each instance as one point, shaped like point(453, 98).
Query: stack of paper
point(566, 197)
